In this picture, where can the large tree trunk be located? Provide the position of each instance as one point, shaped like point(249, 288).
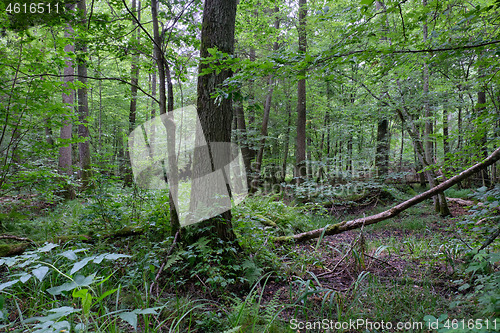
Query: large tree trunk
point(300, 156)
point(215, 116)
point(83, 104)
point(394, 211)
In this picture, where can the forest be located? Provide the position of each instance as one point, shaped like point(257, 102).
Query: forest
point(249, 166)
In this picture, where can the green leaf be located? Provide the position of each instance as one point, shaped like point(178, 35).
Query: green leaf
point(25, 277)
point(40, 272)
point(114, 256)
point(86, 298)
point(147, 311)
point(47, 247)
point(64, 287)
point(70, 254)
point(84, 281)
point(80, 264)
point(129, 317)
point(8, 284)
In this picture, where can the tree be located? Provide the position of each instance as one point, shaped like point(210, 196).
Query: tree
point(65, 151)
point(215, 116)
point(300, 157)
point(265, 118)
point(166, 105)
point(383, 133)
point(83, 104)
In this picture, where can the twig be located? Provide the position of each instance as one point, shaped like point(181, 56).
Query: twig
point(344, 256)
point(382, 261)
point(163, 265)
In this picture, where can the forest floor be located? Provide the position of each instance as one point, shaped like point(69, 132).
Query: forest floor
point(398, 271)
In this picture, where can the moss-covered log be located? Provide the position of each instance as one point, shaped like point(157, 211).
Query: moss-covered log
point(394, 211)
point(7, 250)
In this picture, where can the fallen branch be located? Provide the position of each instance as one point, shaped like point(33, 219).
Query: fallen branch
point(17, 238)
point(394, 211)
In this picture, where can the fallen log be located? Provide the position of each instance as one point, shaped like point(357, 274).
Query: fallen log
point(394, 211)
point(8, 250)
point(462, 201)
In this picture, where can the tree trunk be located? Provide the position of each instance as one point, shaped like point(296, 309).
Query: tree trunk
point(65, 152)
point(287, 138)
point(383, 148)
point(383, 135)
point(166, 82)
point(481, 107)
point(394, 211)
point(217, 31)
point(300, 157)
point(83, 104)
point(325, 136)
point(428, 144)
point(134, 80)
point(243, 141)
point(442, 206)
point(446, 136)
point(263, 134)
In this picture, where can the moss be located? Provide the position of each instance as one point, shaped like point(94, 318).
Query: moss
point(12, 249)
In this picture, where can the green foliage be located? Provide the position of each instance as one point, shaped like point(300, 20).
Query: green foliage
point(80, 300)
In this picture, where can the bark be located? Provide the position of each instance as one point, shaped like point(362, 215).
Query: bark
point(300, 157)
point(446, 136)
point(428, 144)
point(323, 136)
point(263, 134)
point(65, 152)
point(243, 138)
point(217, 31)
point(287, 139)
point(383, 148)
point(83, 104)
point(164, 80)
point(134, 80)
point(481, 108)
point(442, 206)
point(383, 135)
point(394, 211)
point(251, 97)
